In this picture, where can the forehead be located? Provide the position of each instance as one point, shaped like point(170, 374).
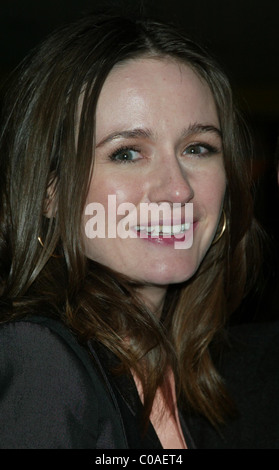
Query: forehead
point(152, 89)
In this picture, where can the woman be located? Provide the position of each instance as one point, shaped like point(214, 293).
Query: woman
point(101, 336)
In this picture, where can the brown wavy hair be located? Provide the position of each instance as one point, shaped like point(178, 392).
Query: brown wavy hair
point(44, 145)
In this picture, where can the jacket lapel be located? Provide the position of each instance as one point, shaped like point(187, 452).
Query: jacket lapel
point(125, 397)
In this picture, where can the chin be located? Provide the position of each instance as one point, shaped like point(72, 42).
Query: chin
point(170, 275)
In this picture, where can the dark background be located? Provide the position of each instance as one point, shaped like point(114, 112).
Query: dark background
point(243, 35)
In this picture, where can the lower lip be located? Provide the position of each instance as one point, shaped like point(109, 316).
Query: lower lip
point(166, 240)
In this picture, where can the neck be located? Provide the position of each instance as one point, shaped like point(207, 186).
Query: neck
point(154, 297)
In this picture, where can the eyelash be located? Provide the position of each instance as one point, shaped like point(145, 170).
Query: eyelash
point(124, 149)
point(210, 151)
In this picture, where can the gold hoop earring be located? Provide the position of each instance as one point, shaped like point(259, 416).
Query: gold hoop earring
point(42, 245)
point(222, 229)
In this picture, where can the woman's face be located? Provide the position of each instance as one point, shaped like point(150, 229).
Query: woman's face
point(157, 141)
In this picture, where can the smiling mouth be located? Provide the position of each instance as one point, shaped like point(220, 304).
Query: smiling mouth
point(163, 230)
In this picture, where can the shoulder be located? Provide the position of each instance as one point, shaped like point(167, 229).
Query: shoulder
point(249, 368)
point(251, 355)
point(252, 343)
point(251, 374)
point(42, 342)
point(50, 388)
point(256, 332)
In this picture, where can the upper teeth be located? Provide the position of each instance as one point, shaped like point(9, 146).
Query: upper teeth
point(166, 229)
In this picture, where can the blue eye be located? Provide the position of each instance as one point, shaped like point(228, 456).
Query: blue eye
point(200, 149)
point(124, 155)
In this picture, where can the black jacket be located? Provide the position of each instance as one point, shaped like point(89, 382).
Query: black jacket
point(250, 368)
point(56, 394)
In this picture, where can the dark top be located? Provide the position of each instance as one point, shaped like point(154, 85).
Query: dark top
point(54, 393)
point(250, 367)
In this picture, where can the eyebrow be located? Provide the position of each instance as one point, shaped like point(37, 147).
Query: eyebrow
point(133, 133)
point(197, 128)
point(147, 133)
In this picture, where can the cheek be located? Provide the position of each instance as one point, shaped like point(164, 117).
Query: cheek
point(122, 190)
point(212, 187)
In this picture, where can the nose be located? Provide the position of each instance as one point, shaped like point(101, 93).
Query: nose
point(170, 183)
